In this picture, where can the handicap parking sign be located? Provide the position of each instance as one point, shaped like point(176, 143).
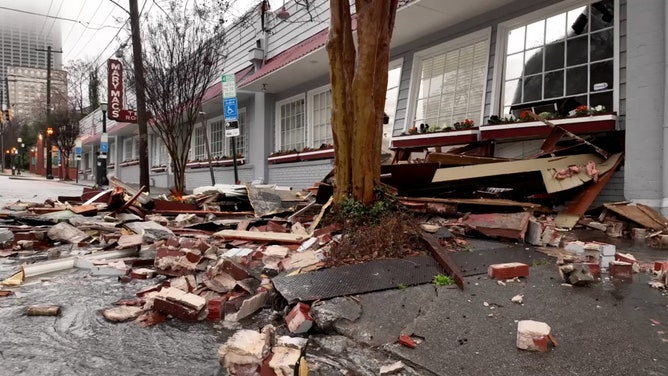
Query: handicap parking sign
point(230, 109)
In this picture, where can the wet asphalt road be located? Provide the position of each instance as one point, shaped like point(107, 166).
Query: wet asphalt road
point(34, 190)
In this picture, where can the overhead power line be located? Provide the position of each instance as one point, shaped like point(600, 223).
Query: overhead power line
point(84, 24)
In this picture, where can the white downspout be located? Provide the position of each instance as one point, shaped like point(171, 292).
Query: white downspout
point(664, 165)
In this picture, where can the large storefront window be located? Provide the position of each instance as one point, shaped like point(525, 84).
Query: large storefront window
point(291, 127)
point(561, 61)
point(451, 81)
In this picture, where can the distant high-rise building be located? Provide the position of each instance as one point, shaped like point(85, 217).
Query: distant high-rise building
point(24, 39)
point(27, 90)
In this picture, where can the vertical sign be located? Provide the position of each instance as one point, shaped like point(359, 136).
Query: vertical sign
point(230, 107)
point(114, 88)
point(77, 150)
point(104, 145)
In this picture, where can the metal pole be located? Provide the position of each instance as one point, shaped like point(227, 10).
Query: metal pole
point(234, 160)
point(103, 156)
point(49, 167)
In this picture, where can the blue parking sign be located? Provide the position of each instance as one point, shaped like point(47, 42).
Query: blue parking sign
point(230, 109)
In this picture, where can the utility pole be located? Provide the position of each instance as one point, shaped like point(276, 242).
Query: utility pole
point(49, 162)
point(140, 85)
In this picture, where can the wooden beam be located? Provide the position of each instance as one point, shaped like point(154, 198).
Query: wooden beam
point(443, 258)
point(277, 237)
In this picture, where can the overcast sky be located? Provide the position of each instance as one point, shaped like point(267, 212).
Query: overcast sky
point(103, 19)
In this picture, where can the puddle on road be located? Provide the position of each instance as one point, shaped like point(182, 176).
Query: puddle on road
point(81, 342)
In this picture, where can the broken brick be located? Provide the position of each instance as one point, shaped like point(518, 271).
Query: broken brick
point(620, 269)
point(660, 266)
point(175, 309)
point(176, 262)
point(215, 309)
point(407, 341)
point(532, 335)
point(508, 270)
point(299, 319)
point(248, 307)
point(594, 269)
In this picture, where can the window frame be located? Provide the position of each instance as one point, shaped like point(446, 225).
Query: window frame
point(277, 136)
point(503, 28)
point(394, 64)
point(126, 147)
point(456, 43)
point(310, 114)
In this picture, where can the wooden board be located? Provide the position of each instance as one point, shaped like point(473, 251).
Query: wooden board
point(639, 214)
point(277, 237)
point(546, 166)
point(570, 216)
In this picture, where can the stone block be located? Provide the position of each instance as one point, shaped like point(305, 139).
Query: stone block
point(532, 335)
point(284, 360)
point(508, 270)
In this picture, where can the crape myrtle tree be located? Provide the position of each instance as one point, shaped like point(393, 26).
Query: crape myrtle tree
point(64, 119)
point(359, 83)
point(182, 46)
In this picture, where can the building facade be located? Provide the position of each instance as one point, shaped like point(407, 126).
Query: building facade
point(480, 60)
point(27, 90)
point(24, 39)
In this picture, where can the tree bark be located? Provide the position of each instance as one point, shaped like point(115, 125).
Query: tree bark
point(341, 50)
point(358, 92)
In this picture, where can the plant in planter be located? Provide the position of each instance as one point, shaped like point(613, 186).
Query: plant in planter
point(434, 128)
point(497, 120)
point(413, 130)
point(466, 124)
point(525, 116)
point(600, 109)
point(581, 110)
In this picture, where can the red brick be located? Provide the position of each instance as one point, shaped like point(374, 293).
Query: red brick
point(508, 270)
point(624, 258)
point(660, 266)
point(299, 320)
point(215, 307)
point(594, 268)
point(620, 269)
point(175, 309)
point(407, 341)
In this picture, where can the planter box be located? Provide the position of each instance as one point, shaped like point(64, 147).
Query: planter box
point(454, 137)
point(285, 158)
point(158, 169)
point(129, 163)
point(536, 129)
point(216, 163)
point(111, 166)
point(316, 154)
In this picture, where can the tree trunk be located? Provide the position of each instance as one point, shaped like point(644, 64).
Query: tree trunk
point(341, 52)
point(358, 92)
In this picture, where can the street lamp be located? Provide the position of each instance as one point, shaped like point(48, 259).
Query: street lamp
point(104, 149)
point(18, 169)
point(49, 172)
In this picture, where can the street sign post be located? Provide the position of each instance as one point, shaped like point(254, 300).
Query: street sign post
point(231, 113)
point(104, 145)
point(231, 109)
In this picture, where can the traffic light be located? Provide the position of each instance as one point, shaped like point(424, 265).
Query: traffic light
point(2, 116)
point(10, 114)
